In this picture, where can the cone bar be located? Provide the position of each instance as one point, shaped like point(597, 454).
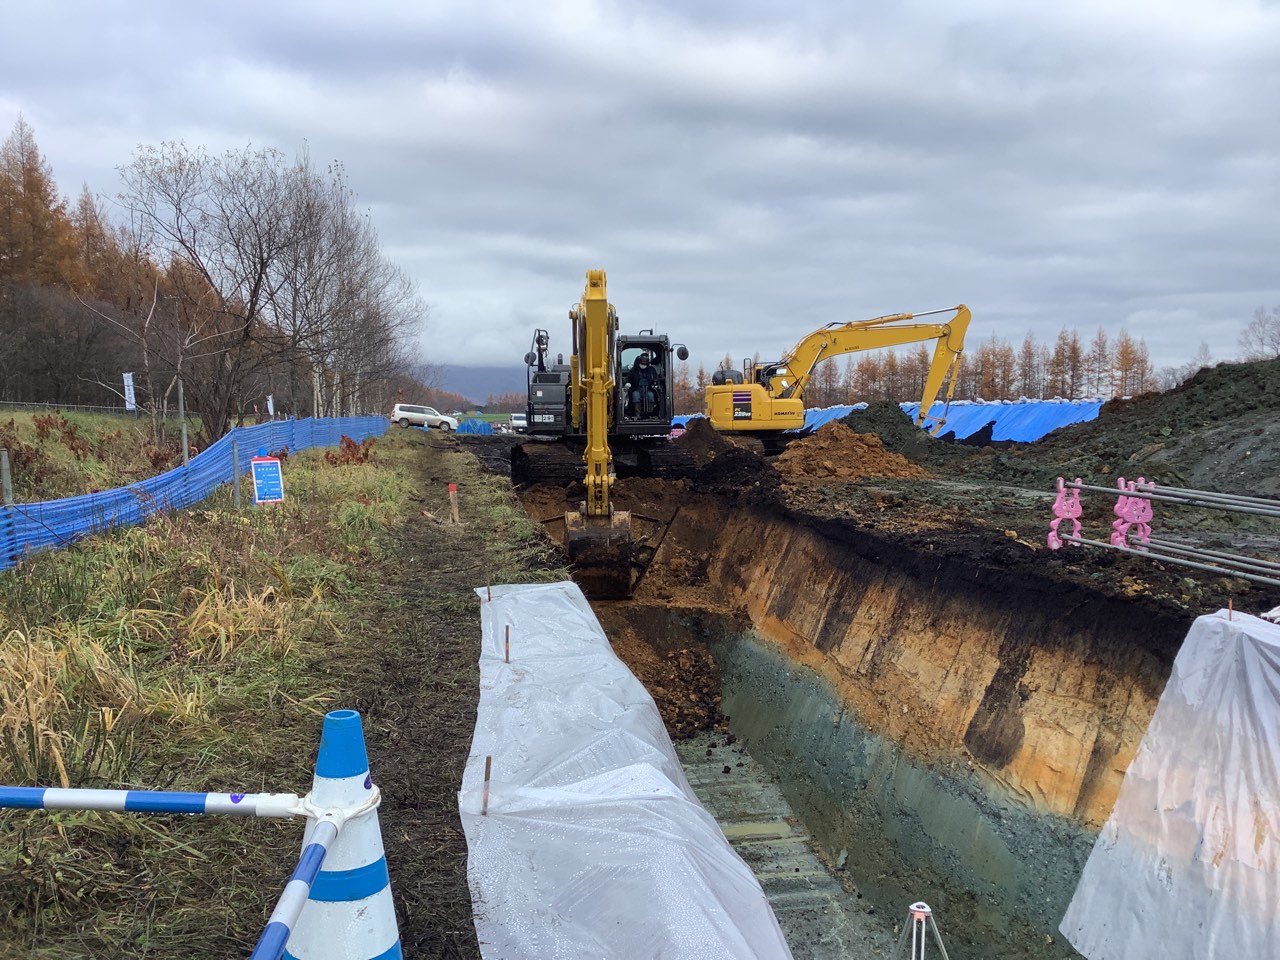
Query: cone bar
point(349, 912)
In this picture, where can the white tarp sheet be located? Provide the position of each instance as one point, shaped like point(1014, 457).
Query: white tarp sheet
point(594, 844)
point(1188, 865)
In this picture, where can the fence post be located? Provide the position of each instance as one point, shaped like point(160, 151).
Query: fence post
point(349, 911)
point(235, 472)
point(182, 416)
point(5, 480)
point(8, 549)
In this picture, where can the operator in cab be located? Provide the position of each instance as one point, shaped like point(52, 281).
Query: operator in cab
point(643, 382)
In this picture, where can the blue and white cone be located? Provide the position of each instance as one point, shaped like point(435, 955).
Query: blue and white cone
point(349, 914)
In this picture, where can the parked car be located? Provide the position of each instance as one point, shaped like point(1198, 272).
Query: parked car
point(519, 422)
point(411, 415)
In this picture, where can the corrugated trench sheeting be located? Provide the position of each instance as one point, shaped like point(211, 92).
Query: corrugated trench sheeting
point(594, 844)
point(28, 527)
point(1023, 420)
point(1188, 865)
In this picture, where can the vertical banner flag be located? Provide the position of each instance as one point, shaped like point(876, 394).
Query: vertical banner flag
point(130, 402)
point(271, 406)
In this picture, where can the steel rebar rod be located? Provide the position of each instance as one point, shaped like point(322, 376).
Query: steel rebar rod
point(1150, 486)
point(1210, 494)
point(1272, 511)
point(1271, 581)
point(1214, 554)
point(1236, 562)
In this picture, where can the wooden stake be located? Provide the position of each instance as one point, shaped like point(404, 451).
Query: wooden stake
point(484, 803)
point(1230, 607)
point(453, 502)
point(507, 643)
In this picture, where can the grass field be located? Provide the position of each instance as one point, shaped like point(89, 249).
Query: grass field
point(57, 454)
point(200, 651)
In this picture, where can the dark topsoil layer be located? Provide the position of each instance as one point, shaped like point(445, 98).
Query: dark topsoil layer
point(987, 511)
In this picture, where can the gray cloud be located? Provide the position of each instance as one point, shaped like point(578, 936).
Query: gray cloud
point(744, 171)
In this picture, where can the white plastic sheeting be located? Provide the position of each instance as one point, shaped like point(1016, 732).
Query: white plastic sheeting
point(594, 844)
point(1188, 865)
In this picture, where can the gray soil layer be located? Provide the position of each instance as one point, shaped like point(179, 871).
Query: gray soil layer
point(821, 918)
point(997, 877)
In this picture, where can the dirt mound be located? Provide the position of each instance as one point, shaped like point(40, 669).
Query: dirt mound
point(684, 683)
point(738, 472)
point(837, 452)
point(702, 441)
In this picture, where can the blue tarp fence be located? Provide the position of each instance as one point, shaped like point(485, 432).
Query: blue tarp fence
point(1020, 420)
point(28, 527)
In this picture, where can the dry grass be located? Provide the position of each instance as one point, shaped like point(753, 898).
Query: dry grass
point(177, 655)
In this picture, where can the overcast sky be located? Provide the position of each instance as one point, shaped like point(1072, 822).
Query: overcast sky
point(745, 171)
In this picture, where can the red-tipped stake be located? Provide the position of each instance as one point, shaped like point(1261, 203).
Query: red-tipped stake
point(453, 502)
point(484, 802)
point(507, 643)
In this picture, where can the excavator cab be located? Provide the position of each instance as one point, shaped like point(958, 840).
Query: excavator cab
point(644, 403)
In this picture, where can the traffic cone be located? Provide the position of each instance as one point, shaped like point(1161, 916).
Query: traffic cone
point(349, 913)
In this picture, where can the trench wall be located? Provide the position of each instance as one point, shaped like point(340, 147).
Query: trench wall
point(979, 721)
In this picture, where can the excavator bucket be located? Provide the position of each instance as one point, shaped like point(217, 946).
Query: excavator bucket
point(600, 551)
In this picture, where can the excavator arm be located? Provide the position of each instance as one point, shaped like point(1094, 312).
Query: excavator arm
point(774, 400)
point(598, 537)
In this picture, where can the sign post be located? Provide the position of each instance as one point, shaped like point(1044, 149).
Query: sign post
point(268, 481)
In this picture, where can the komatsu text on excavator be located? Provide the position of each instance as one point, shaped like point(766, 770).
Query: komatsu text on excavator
point(612, 398)
point(769, 397)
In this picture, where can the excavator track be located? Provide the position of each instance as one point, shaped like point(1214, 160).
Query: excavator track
point(561, 462)
point(545, 462)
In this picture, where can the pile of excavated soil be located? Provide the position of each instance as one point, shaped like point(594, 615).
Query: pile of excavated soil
point(684, 682)
point(702, 441)
point(1216, 431)
point(836, 452)
point(738, 473)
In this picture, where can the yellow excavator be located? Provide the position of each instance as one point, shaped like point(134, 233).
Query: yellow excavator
point(769, 398)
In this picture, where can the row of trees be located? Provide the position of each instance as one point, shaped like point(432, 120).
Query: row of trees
point(246, 274)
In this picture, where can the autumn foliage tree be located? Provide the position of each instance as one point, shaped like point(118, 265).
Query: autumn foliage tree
point(245, 273)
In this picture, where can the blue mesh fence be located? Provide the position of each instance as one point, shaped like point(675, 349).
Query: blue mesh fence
point(28, 527)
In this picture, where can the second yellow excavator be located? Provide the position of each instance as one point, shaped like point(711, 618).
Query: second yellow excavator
point(769, 397)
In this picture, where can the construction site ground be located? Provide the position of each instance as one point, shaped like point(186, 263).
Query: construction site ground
point(412, 670)
point(989, 504)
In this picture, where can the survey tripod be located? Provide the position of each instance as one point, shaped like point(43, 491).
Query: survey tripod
point(915, 933)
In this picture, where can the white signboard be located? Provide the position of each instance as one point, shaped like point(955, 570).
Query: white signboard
point(130, 402)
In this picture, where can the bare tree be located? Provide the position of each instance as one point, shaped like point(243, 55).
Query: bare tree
point(1260, 340)
point(222, 224)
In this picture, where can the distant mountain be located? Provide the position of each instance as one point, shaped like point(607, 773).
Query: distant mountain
point(478, 383)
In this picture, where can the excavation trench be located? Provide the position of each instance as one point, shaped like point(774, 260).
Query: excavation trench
point(948, 727)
